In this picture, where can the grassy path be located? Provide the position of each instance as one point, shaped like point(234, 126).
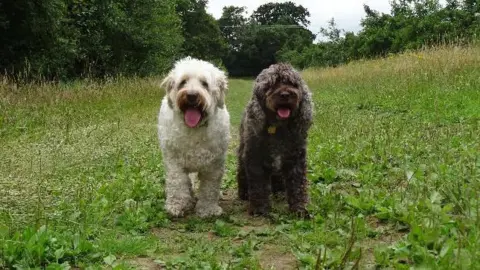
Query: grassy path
point(394, 167)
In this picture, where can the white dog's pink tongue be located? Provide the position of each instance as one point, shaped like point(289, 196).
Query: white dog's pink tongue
point(283, 112)
point(192, 117)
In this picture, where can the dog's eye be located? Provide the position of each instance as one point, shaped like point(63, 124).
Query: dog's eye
point(204, 84)
point(182, 83)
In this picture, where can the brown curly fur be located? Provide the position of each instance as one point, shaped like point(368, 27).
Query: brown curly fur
point(272, 151)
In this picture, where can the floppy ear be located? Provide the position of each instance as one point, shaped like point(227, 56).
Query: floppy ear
point(222, 84)
point(306, 108)
point(264, 81)
point(168, 84)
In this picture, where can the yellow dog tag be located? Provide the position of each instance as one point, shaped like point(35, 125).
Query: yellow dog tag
point(272, 129)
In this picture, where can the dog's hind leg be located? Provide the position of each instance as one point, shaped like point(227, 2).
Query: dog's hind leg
point(278, 183)
point(178, 188)
point(209, 191)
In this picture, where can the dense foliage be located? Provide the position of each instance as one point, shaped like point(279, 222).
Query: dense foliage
point(410, 25)
point(202, 36)
point(60, 39)
point(70, 38)
point(257, 41)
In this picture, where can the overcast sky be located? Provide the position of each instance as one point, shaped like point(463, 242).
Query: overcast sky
point(347, 13)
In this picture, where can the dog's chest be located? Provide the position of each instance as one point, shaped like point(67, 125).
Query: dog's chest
point(276, 162)
point(195, 148)
point(277, 138)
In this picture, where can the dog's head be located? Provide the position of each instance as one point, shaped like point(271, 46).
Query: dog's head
point(196, 89)
point(279, 90)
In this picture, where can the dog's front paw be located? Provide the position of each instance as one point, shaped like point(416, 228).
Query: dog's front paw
point(178, 209)
point(243, 195)
point(259, 210)
point(204, 210)
point(302, 212)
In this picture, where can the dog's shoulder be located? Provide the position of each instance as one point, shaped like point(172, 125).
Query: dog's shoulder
point(165, 111)
point(221, 116)
point(252, 124)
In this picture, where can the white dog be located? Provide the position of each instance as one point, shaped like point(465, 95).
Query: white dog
point(194, 132)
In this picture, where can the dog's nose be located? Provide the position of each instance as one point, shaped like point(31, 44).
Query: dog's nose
point(192, 97)
point(284, 95)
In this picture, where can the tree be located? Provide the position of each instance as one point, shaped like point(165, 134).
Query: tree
point(286, 24)
point(287, 13)
point(143, 36)
point(332, 32)
point(336, 50)
point(410, 25)
point(203, 38)
point(125, 36)
point(33, 40)
point(232, 24)
point(261, 40)
point(62, 39)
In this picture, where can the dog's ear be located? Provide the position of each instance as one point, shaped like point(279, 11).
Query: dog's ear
point(259, 91)
point(263, 83)
point(306, 108)
point(168, 84)
point(222, 84)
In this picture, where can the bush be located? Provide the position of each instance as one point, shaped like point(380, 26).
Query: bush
point(61, 39)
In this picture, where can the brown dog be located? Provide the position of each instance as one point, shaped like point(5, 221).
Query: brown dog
point(273, 138)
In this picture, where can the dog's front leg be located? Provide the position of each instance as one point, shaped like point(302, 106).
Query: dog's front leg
point(258, 177)
point(178, 189)
point(294, 170)
point(209, 191)
point(278, 184)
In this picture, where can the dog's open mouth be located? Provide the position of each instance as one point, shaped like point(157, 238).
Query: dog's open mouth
point(192, 116)
point(283, 112)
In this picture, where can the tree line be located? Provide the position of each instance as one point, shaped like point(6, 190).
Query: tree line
point(65, 39)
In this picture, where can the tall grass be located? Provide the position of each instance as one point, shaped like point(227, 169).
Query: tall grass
point(393, 162)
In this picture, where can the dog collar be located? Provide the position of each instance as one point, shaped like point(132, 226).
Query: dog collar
point(272, 129)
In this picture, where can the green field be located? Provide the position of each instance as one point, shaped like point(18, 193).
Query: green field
point(394, 170)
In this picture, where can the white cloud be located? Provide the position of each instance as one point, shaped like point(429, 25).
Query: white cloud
point(347, 13)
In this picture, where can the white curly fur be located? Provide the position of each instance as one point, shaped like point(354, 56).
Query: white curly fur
point(200, 150)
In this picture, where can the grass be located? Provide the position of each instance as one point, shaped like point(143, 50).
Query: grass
point(393, 161)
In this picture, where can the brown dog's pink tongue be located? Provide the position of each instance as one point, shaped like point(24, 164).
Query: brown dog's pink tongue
point(192, 117)
point(283, 112)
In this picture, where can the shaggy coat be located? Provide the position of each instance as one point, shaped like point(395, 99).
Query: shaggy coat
point(193, 130)
point(273, 138)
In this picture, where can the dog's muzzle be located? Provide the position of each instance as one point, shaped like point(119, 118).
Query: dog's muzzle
point(192, 105)
point(285, 103)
